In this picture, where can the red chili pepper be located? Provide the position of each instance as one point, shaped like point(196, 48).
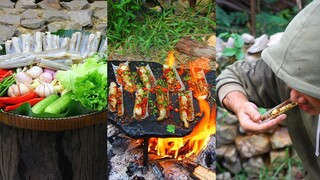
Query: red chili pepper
point(5, 74)
point(3, 71)
point(18, 99)
point(2, 105)
point(165, 90)
point(30, 101)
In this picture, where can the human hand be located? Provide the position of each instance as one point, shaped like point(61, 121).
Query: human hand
point(250, 119)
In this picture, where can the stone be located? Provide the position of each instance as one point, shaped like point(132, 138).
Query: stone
point(97, 5)
point(247, 38)
point(6, 4)
point(226, 134)
point(253, 167)
point(166, 4)
point(260, 44)
point(233, 167)
point(55, 26)
point(73, 25)
point(26, 4)
point(224, 117)
point(55, 15)
point(50, 4)
point(223, 176)
point(30, 14)
point(33, 23)
point(280, 138)
point(249, 146)
point(275, 38)
point(100, 14)
point(7, 32)
point(83, 17)
point(277, 157)
point(75, 5)
point(219, 45)
point(14, 11)
point(10, 19)
point(297, 173)
point(231, 154)
point(230, 43)
point(220, 151)
point(102, 27)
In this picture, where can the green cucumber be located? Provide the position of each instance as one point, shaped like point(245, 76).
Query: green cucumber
point(60, 105)
point(41, 106)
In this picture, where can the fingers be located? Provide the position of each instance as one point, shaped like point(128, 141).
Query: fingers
point(250, 119)
point(252, 111)
point(260, 127)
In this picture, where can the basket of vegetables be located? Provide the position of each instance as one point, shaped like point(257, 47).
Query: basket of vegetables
point(54, 89)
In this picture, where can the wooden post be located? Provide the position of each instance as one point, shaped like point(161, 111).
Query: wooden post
point(36, 155)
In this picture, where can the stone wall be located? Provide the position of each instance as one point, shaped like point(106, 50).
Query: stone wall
point(238, 151)
point(29, 16)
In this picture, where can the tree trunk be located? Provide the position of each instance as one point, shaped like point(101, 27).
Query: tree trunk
point(38, 155)
point(195, 48)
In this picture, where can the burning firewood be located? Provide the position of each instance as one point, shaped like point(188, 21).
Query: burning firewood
point(197, 170)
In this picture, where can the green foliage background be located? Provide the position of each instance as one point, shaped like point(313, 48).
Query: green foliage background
point(268, 21)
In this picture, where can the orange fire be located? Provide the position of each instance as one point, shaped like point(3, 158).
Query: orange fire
point(193, 143)
point(170, 59)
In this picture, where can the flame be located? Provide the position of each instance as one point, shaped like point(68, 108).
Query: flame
point(193, 143)
point(170, 59)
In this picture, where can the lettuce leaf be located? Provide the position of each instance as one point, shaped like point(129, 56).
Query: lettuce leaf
point(91, 90)
point(88, 82)
point(67, 78)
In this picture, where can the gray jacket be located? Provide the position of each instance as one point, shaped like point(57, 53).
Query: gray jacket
point(294, 62)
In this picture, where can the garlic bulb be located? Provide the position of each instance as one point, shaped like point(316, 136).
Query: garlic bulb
point(46, 77)
point(35, 83)
point(45, 90)
point(23, 77)
point(19, 89)
point(35, 71)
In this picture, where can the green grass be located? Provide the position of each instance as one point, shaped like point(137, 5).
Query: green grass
point(152, 35)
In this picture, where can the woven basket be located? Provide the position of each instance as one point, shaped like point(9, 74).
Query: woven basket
point(53, 124)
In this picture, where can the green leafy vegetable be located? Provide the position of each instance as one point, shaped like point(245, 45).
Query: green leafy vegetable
point(171, 128)
point(91, 90)
point(88, 82)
